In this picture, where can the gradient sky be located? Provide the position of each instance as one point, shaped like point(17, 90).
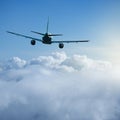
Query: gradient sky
point(96, 20)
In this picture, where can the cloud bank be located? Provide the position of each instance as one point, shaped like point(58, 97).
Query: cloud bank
point(59, 87)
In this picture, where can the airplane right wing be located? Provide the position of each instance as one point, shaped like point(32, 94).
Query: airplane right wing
point(25, 36)
point(71, 41)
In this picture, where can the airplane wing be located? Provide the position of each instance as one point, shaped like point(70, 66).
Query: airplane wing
point(76, 41)
point(24, 36)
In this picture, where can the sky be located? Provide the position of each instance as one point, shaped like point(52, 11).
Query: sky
point(42, 82)
point(96, 20)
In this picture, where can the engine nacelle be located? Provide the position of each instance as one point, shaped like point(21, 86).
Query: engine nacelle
point(33, 42)
point(61, 45)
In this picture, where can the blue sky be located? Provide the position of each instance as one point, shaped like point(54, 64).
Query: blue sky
point(97, 20)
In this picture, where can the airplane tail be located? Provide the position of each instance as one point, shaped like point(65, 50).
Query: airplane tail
point(47, 25)
point(47, 31)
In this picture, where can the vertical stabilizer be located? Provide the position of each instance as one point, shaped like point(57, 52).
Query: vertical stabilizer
point(47, 25)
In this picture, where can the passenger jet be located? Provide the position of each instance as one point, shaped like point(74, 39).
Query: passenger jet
point(47, 38)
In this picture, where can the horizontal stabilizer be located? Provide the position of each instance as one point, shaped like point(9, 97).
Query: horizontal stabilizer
point(55, 35)
point(38, 33)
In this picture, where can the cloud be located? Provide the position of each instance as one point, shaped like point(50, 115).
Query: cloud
point(59, 87)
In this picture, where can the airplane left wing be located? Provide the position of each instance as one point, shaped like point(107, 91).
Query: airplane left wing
point(25, 36)
point(76, 41)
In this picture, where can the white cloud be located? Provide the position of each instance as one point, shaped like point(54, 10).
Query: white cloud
point(59, 87)
point(14, 63)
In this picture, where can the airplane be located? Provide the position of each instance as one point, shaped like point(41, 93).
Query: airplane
point(47, 38)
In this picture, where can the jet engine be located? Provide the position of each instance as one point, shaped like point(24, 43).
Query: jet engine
point(33, 42)
point(61, 45)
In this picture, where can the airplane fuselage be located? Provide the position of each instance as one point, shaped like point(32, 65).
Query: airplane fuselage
point(46, 39)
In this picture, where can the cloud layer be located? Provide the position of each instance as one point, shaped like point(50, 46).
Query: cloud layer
point(59, 87)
